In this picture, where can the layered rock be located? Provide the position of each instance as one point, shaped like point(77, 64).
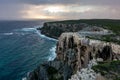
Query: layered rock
point(73, 53)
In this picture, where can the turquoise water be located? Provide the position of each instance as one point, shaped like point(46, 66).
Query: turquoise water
point(22, 48)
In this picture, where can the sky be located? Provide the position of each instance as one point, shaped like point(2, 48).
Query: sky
point(59, 9)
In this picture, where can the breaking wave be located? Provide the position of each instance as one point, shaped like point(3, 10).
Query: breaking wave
point(8, 33)
point(36, 31)
point(43, 36)
point(28, 29)
point(52, 53)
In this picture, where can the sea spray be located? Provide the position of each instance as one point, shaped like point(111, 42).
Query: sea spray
point(52, 54)
point(43, 36)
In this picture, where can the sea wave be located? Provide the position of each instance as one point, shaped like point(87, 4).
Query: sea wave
point(43, 36)
point(25, 31)
point(38, 32)
point(24, 78)
point(52, 49)
point(28, 29)
point(8, 33)
point(52, 54)
point(35, 31)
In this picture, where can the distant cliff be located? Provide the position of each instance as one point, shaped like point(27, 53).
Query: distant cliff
point(74, 53)
point(54, 30)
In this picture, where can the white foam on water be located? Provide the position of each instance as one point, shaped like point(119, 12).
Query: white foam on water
point(24, 78)
point(24, 31)
point(43, 36)
point(28, 29)
point(52, 49)
point(8, 33)
point(52, 53)
point(36, 31)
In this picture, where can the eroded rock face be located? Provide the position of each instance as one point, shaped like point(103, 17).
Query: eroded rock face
point(73, 53)
point(70, 50)
point(54, 30)
point(106, 53)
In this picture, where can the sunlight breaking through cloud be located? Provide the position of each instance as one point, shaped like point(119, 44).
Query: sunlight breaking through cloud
point(63, 9)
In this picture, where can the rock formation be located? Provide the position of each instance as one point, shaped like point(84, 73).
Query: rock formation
point(54, 30)
point(73, 53)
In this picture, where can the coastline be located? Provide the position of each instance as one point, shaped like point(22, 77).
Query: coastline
point(71, 43)
point(45, 36)
point(51, 50)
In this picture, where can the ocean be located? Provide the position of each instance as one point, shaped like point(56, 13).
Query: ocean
point(23, 48)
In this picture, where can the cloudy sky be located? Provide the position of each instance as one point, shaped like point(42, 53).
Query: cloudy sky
point(59, 9)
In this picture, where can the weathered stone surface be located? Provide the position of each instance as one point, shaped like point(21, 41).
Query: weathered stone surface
point(54, 30)
point(73, 53)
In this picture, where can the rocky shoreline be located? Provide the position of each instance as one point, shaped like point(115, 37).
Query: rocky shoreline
point(54, 30)
point(74, 53)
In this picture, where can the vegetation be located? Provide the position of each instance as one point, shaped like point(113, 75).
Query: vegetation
point(107, 38)
point(113, 25)
point(111, 70)
point(56, 30)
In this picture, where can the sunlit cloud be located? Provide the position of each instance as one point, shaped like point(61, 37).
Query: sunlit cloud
point(53, 11)
point(59, 9)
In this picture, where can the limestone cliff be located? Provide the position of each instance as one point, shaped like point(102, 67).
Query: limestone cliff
point(54, 30)
point(73, 53)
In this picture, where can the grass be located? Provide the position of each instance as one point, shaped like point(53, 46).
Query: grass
point(109, 69)
point(107, 38)
point(113, 25)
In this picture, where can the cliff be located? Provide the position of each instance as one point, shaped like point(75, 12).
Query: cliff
point(54, 30)
point(74, 53)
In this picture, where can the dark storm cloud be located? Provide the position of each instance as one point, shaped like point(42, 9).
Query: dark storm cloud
point(77, 2)
point(100, 2)
point(40, 2)
point(63, 2)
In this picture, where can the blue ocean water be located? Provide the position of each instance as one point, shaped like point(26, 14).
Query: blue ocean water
point(22, 48)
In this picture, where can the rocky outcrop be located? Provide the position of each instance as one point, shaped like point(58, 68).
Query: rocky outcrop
point(73, 53)
point(54, 29)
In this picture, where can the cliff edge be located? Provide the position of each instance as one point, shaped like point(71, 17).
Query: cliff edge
point(74, 53)
point(54, 30)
